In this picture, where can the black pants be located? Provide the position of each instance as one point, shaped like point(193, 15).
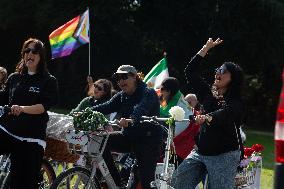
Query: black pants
point(26, 159)
point(146, 150)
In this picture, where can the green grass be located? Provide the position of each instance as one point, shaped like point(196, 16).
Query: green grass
point(267, 140)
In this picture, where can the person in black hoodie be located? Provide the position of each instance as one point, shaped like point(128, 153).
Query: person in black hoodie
point(218, 145)
point(30, 92)
point(143, 139)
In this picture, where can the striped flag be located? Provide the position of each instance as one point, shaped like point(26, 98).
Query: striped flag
point(279, 127)
point(68, 37)
point(157, 74)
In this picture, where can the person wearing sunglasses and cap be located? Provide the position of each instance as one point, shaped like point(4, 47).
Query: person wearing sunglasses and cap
point(219, 142)
point(30, 92)
point(144, 139)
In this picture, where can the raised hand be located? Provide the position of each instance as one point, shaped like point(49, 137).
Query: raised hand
point(209, 44)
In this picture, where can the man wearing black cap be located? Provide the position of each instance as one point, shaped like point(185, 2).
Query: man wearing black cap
point(133, 101)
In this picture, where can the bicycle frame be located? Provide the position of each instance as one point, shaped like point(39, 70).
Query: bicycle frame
point(5, 164)
point(165, 176)
point(95, 148)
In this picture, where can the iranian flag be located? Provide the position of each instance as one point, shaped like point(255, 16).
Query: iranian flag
point(157, 74)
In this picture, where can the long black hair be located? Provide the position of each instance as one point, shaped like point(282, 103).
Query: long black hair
point(172, 85)
point(237, 78)
point(234, 89)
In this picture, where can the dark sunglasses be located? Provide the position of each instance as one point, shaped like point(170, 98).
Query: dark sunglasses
point(98, 87)
point(222, 70)
point(28, 50)
point(119, 77)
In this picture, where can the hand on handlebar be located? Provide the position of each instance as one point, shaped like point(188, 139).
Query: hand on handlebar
point(16, 110)
point(200, 119)
point(124, 122)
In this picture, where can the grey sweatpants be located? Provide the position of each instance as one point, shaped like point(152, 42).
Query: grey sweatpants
point(221, 170)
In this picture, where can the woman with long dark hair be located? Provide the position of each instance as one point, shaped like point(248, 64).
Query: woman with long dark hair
point(218, 144)
point(30, 92)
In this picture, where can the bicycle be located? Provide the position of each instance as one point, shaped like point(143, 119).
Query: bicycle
point(46, 176)
point(92, 145)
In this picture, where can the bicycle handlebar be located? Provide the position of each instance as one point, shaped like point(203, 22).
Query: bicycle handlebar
point(4, 110)
point(146, 118)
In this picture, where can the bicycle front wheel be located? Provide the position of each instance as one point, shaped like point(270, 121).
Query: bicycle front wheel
point(47, 175)
point(76, 178)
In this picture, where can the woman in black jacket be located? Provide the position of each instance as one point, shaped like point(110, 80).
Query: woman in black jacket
point(30, 92)
point(218, 144)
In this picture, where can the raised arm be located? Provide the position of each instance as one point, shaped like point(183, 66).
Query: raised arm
point(192, 70)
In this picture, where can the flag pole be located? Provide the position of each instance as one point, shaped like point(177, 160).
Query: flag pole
point(89, 41)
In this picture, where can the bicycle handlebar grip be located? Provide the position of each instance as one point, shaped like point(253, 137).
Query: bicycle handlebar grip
point(4, 110)
point(7, 109)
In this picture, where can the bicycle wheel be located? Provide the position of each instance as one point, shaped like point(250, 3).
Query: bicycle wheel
point(76, 178)
point(47, 175)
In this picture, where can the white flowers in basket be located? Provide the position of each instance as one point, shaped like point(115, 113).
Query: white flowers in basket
point(177, 114)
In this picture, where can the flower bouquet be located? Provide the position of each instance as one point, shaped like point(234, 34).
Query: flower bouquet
point(251, 166)
point(88, 120)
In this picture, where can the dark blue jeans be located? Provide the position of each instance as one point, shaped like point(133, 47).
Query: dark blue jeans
point(145, 148)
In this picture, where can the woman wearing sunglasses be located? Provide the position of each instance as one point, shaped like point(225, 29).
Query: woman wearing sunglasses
point(219, 141)
point(30, 92)
point(143, 139)
point(102, 92)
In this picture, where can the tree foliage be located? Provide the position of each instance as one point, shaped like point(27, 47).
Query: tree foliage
point(126, 33)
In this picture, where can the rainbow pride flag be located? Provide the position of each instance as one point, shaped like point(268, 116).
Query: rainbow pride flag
point(68, 37)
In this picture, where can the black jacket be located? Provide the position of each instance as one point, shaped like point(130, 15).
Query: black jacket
point(143, 102)
point(26, 90)
point(221, 135)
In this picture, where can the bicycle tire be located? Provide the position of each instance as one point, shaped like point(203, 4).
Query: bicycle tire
point(47, 175)
point(69, 179)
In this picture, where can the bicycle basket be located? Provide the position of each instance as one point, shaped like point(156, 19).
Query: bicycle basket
point(88, 120)
point(96, 143)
